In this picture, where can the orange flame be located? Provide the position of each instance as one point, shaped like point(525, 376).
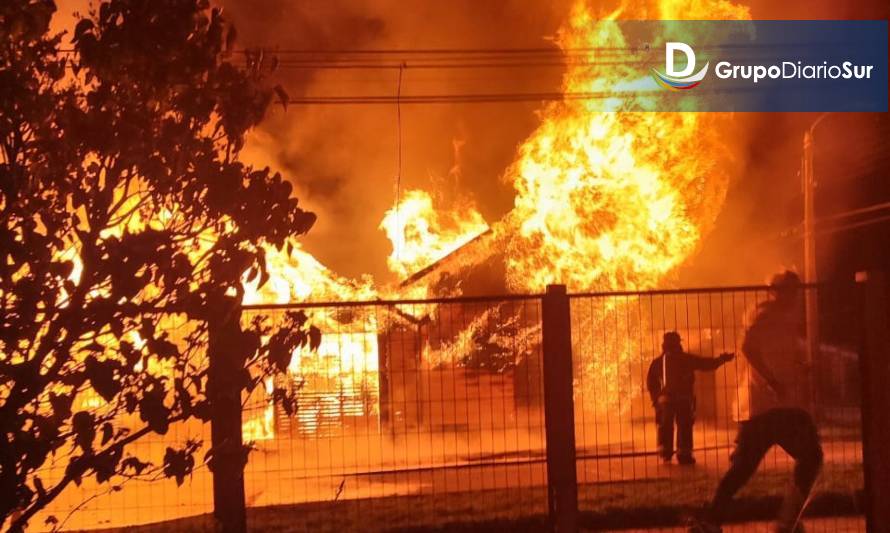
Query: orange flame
point(421, 235)
point(604, 200)
point(612, 200)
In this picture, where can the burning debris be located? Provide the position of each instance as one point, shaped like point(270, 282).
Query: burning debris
point(420, 235)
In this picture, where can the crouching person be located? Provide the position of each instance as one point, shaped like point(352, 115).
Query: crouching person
point(671, 384)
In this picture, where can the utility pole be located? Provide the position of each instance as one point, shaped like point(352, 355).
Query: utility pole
point(874, 368)
point(809, 245)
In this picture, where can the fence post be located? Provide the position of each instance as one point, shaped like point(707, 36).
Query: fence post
point(559, 411)
point(224, 394)
point(875, 375)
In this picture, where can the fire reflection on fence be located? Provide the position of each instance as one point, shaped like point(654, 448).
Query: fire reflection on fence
point(615, 337)
point(450, 402)
point(425, 413)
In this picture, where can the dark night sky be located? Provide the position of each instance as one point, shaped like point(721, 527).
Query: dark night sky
point(851, 167)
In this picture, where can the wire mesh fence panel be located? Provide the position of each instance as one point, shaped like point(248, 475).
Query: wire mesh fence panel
point(629, 473)
point(406, 415)
point(133, 499)
point(421, 414)
point(129, 502)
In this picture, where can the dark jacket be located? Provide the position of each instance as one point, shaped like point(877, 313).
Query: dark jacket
point(680, 374)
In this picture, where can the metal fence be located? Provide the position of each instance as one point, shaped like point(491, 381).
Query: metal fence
point(412, 414)
point(431, 413)
point(623, 480)
point(137, 500)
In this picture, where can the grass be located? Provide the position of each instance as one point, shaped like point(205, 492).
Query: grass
point(639, 504)
point(664, 502)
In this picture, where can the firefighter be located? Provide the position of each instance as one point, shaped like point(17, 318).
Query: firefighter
point(671, 381)
point(792, 429)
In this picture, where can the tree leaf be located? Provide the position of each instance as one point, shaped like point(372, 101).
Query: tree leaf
point(82, 27)
point(107, 433)
point(102, 378)
point(83, 425)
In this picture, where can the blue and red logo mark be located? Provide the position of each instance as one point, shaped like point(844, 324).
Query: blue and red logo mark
point(679, 80)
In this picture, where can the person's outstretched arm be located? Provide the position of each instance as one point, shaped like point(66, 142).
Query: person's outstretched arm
point(709, 363)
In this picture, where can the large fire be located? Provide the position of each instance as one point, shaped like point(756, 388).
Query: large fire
point(604, 200)
point(420, 235)
point(615, 200)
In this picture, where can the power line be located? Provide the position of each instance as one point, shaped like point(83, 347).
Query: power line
point(855, 225)
point(462, 98)
point(539, 51)
point(488, 97)
point(470, 98)
point(855, 212)
point(488, 62)
point(440, 51)
point(474, 52)
point(449, 66)
point(794, 231)
point(455, 58)
point(517, 51)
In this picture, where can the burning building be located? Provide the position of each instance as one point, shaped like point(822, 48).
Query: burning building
point(603, 201)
